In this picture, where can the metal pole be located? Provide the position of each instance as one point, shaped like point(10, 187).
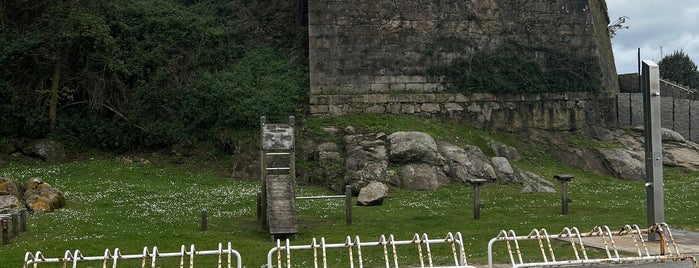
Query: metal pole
point(653, 145)
point(564, 179)
point(348, 205)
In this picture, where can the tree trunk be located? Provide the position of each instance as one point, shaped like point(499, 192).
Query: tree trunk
point(53, 101)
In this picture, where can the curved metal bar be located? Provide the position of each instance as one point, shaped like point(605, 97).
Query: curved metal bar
point(349, 245)
point(611, 239)
point(383, 242)
point(537, 235)
point(672, 239)
point(548, 242)
point(359, 251)
point(315, 246)
point(426, 241)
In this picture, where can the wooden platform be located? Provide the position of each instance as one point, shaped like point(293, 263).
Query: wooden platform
point(281, 206)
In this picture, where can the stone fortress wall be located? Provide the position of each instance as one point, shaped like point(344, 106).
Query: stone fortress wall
point(374, 57)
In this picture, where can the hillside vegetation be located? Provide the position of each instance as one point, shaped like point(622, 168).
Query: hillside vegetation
point(125, 74)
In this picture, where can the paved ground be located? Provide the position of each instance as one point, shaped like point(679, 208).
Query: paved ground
point(687, 245)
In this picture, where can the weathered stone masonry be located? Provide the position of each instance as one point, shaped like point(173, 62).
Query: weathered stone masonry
point(378, 46)
point(513, 112)
point(374, 57)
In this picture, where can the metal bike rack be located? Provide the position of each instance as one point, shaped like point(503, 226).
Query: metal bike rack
point(388, 246)
point(576, 239)
point(77, 256)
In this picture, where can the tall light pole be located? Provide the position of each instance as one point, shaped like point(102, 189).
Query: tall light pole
point(653, 145)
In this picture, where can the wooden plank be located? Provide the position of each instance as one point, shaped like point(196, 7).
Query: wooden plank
point(281, 206)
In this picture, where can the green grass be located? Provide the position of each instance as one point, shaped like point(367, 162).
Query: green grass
point(112, 204)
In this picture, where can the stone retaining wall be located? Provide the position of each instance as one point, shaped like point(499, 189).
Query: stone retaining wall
point(511, 112)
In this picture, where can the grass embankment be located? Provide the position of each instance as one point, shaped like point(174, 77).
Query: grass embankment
point(113, 204)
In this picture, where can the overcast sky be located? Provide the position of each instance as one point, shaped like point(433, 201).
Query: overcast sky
point(670, 24)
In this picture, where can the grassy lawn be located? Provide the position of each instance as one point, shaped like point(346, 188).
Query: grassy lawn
point(113, 204)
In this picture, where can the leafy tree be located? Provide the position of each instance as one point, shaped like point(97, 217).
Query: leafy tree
point(123, 74)
point(679, 68)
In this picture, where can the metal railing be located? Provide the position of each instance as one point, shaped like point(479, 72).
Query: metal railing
point(576, 240)
point(154, 255)
point(422, 244)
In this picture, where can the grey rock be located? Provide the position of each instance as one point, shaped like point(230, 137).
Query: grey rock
point(503, 169)
point(535, 183)
point(9, 203)
point(327, 159)
point(505, 151)
point(328, 147)
point(414, 147)
point(48, 150)
point(668, 135)
point(422, 176)
point(466, 165)
point(623, 163)
point(373, 194)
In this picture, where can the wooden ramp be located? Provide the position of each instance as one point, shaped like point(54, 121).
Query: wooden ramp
point(281, 205)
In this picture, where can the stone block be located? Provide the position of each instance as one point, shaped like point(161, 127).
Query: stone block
point(636, 100)
point(430, 107)
point(415, 86)
point(667, 107)
point(682, 117)
point(382, 87)
point(694, 120)
point(376, 109)
point(407, 108)
point(393, 108)
point(623, 104)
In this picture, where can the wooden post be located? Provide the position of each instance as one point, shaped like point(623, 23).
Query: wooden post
point(15, 224)
point(348, 205)
point(5, 235)
point(23, 220)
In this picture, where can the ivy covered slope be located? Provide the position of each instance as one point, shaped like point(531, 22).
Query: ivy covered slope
point(121, 74)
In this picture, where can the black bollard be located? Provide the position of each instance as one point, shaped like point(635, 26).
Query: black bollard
point(15, 224)
point(203, 220)
point(4, 221)
point(348, 205)
point(564, 179)
point(477, 205)
point(23, 220)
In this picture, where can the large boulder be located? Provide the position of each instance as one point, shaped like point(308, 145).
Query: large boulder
point(41, 197)
point(372, 194)
point(47, 150)
point(534, 183)
point(506, 151)
point(423, 176)
point(414, 147)
point(623, 163)
point(505, 172)
point(11, 187)
point(9, 203)
point(367, 160)
point(466, 165)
